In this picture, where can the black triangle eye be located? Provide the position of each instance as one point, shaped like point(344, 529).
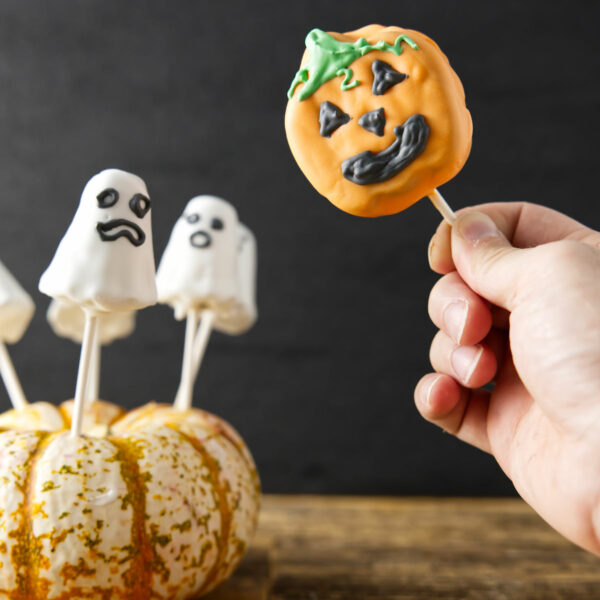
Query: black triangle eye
point(330, 118)
point(373, 121)
point(385, 77)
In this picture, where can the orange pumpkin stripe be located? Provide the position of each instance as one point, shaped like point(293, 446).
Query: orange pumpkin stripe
point(26, 554)
point(220, 493)
point(138, 577)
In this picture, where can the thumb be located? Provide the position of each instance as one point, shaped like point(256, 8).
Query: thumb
point(486, 260)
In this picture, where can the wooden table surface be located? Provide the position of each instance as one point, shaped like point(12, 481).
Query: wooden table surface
point(333, 548)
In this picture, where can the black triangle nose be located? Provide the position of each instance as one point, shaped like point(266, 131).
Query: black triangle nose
point(373, 121)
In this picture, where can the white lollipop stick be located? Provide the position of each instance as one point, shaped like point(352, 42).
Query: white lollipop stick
point(87, 344)
point(438, 201)
point(183, 399)
point(11, 381)
point(202, 338)
point(92, 391)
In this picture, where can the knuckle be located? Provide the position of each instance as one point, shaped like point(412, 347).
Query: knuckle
point(561, 259)
point(561, 253)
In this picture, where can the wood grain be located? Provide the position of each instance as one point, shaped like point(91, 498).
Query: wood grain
point(332, 548)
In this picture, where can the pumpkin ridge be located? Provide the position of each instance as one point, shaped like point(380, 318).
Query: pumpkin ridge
point(222, 431)
point(220, 491)
point(26, 555)
point(65, 416)
point(138, 578)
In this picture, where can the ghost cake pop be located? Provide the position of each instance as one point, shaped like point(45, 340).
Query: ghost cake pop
point(197, 274)
point(376, 119)
point(105, 261)
point(68, 321)
point(16, 311)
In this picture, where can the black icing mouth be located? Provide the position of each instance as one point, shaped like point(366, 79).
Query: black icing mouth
point(126, 229)
point(366, 167)
point(200, 239)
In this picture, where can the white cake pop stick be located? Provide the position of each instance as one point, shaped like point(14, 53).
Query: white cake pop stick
point(89, 332)
point(202, 339)
point(183, 400)
point(443, 207)
point(92, 391)
point(11, 381)
point(67, 320)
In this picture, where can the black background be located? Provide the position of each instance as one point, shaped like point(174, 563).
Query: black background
point(191, 96)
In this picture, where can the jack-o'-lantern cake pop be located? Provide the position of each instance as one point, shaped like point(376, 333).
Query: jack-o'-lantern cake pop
point(376, 119)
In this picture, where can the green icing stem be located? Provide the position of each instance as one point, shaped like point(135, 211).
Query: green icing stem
point(329, 58)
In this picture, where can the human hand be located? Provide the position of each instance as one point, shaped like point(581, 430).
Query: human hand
point(519, 305)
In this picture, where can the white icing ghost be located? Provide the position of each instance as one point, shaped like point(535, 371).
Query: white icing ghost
point(105, 261)
point(68, 320)
point(16, 308)
point(242, 314)
point(198, 267)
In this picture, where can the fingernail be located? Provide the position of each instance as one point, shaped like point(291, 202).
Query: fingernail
point(464, 359)
point(432, 384)
point(430, 249)
point(475, 226)
point(455, 318)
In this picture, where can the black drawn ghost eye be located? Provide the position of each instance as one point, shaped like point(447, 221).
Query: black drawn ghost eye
point(193, 218)
point(107, 197)
point(139, 205)
point(331, 117)
point(217, 224)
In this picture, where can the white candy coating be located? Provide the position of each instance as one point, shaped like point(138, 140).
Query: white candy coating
point(16, 308)
point(243, 312)
point(198, 267)
point(105, 261)
point(68, 320)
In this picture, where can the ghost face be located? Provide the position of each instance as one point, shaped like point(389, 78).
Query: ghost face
point(207, 219)
point(198, 267)
point(119, 210)
point(105, 261)
point(113, 229)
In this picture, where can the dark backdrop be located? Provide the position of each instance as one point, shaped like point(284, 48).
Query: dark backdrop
point(191, 95)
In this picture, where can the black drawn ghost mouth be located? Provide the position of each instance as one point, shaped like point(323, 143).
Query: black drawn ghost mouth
point(200, 239)
point(411, 138)
point(113, 230)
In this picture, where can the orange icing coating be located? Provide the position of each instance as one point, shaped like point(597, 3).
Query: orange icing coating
point(431, 89)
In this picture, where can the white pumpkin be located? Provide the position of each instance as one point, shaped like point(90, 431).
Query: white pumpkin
point(164, 506)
